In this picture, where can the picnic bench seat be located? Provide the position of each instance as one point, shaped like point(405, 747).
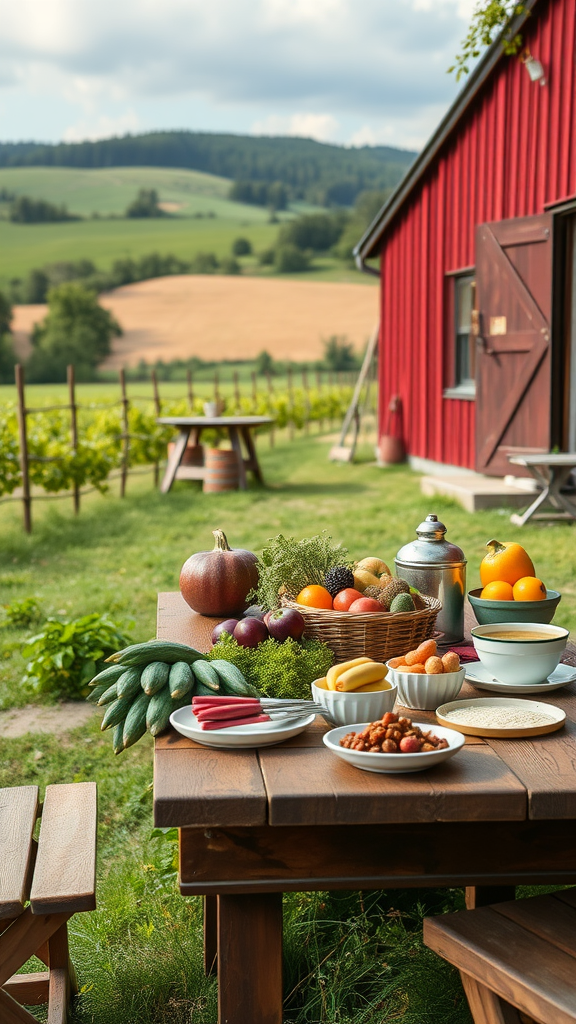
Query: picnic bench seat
point(516, 958)
point(42, 884)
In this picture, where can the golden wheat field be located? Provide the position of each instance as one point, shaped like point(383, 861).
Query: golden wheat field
point(227, 318)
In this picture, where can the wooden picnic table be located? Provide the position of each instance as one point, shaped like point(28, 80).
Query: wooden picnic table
point(551, 472)
point(257, 823)
point(239, 430)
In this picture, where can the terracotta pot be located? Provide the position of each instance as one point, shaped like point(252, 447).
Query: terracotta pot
point(391, 450)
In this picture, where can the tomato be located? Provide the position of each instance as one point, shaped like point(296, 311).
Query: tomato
point(344, 599)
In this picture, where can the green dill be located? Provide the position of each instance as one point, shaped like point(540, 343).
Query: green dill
point(286, 566)
point(275, 669)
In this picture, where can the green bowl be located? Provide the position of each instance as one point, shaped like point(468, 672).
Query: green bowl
point(487, 612)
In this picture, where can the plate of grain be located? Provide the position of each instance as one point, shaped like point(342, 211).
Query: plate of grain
point(502, 717)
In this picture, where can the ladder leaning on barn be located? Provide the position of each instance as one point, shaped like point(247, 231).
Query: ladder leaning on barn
point(343, 452)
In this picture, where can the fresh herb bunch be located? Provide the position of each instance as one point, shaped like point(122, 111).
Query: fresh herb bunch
point(275, 669)
point(286, 566)
point(66, 655)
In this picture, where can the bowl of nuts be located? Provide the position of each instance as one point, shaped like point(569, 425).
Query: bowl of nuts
point(394, 744)
point(425, 679)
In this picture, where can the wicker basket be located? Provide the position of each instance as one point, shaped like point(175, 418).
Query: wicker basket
point(377, 635)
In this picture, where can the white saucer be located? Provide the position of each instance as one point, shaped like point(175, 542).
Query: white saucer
point(393, 764)
point(484, 680)
point(264, 734)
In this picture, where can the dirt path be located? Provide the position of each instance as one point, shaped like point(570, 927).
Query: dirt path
point(227, 318)
point(32, 718)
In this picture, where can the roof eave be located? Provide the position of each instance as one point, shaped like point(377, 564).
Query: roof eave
point(369, 246)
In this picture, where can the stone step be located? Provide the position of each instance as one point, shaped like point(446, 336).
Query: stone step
point(475, 492)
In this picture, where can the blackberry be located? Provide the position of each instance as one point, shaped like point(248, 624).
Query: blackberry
point(337, 579)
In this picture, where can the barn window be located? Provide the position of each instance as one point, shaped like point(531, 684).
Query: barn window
point(460, 341)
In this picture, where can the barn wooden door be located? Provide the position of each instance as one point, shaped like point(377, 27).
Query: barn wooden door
point(513, 355)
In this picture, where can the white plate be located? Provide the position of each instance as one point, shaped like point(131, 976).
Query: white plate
point(480, 677)
point(392, 764)
point(264, 734)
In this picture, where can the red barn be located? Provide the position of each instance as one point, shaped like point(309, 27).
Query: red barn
point(477, 251)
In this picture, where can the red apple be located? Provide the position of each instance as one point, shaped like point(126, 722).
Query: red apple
point(345, 598)
point(366, 604)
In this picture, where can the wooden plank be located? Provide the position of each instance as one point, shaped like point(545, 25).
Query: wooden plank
point(520, 967)
point(28, 989)
point(205, 787)
point(308, 857)
point(176, 621)
point(18, 812)
point(545, 766)
point(549, 918)
point(12, 1013)
point(21, 940)
point(485, 895)
point(65, 872)
point(58, 995)
point(250, 945)
point(313, 787)
point(486, 1007)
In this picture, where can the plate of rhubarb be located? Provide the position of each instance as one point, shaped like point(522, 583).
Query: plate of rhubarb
point(241, 722)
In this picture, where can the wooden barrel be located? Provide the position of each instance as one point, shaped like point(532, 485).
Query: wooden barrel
point(221, 470)
point(193, 454)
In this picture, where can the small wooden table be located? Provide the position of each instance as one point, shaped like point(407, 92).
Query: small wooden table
point(239, 429)
point(257, 823)
point(551, 473)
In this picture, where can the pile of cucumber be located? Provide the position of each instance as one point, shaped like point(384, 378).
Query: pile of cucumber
point(146, 682)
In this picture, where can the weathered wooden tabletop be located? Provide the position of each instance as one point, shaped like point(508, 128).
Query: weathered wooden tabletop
point(294, 817)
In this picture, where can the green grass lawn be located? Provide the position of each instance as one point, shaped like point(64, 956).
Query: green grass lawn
point(351, 958)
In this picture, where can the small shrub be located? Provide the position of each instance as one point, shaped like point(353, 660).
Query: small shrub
point(266, 258)
point(230, 266)
point(290, 260)
point(66, 655)
point(241, 247)
point(22, 614)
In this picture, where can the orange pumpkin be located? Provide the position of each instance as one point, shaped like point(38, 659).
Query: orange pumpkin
point(507, 562)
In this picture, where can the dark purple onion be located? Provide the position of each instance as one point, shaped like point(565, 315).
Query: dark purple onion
point(228, 626)
point(250, 632)
point(285, 623)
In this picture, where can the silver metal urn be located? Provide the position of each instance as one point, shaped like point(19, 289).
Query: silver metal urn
point(438, 569)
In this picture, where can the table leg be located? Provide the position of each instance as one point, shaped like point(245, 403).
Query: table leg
point(175, 459)
point(252, 456)
point(235, 442)
point(210, 935)
point(484, 895)
point(250, 959)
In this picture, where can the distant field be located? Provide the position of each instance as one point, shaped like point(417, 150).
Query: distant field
point(217, 317)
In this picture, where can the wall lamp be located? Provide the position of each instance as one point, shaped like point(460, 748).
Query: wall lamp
point(533, 67)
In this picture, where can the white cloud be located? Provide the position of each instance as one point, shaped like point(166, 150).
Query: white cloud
point(323, 127)
point(102, 127)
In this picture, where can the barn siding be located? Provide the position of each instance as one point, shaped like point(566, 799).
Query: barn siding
point(511, 154)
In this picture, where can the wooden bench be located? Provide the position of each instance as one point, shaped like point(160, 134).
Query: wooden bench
point(42, 884)
point(517, 960)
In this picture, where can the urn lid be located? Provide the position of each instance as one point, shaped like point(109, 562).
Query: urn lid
point(431, 547)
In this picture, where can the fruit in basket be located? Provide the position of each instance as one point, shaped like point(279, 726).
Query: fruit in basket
point(365, 604)
point(284, 623)
point(345, 598)
point(337, 579)
point(392, 589)
point(228, 626)
point(498, 590)
point(217, 582)
point(250, 632)
point(363, 578)
point(505, 561)
point(402, 603)
point(529, 588)
point(374, 565)
point(315, 596)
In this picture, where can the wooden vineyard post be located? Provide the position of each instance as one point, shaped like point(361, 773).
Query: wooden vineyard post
point(158, 411)
point(290, 405)
point(190, 389)
point(26, 499)
point(125, 435)
point(71, 379)
point(236, 392)
point(270, 395)
point(306, 401)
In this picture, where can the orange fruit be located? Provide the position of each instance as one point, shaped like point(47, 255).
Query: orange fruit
point(315, 597)
point(529, 588)
point(507, 561)
point(498, 590)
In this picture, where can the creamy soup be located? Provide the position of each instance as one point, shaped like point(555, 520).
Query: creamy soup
point(521, 634)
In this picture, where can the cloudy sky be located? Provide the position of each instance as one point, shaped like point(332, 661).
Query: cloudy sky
point(350, 71)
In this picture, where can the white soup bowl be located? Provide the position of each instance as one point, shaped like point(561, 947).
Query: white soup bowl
point(522, 662)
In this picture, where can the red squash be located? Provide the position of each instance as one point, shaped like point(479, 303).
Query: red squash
point(217, 582)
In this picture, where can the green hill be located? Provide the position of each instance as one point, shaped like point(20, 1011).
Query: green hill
point(314, 171)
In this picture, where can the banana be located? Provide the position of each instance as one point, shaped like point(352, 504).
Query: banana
point(360, 675)
point(337, 670)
